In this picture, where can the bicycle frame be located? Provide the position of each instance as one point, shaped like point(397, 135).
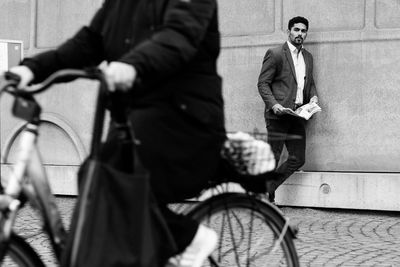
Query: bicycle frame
point(29, 177)
point(28, 180)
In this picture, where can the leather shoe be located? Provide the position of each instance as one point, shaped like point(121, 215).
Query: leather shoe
point(271, 197)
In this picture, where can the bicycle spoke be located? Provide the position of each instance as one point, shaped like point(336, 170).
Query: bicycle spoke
point(233, 239)
point(250, 239)
point(247, 236)
point(221, 238)
point(213, 262)
point(275, 256)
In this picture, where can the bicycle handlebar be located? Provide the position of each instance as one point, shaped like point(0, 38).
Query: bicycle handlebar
point(64, 75)
point(10, 82)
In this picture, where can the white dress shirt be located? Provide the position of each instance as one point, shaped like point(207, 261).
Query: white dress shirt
point(300, 68)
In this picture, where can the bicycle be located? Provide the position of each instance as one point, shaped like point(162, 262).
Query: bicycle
point(224, 211)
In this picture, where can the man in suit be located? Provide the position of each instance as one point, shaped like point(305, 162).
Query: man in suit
point(162, 54)
point(286, 82)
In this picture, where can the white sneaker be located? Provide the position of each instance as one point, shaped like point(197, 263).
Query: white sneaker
point(203, 244)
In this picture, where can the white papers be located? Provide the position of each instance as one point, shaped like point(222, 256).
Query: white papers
point(305, 111)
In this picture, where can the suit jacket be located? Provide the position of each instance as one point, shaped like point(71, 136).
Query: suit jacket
point(277, 82)
point(173, 44)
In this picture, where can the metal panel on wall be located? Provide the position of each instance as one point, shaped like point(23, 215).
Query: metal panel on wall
point(11, 53)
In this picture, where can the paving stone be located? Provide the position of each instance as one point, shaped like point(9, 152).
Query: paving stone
point(326, 237)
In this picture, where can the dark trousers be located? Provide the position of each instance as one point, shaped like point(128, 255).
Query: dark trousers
point(292, 134)
point(182, 155)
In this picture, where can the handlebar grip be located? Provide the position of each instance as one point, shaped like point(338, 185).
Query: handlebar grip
point(12, 77)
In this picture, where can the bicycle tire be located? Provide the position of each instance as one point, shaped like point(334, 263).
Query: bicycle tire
point(20, 254)
point(229, 213)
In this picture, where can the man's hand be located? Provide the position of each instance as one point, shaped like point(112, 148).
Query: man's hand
point(119, 75)
point(278, 109)
point(25, 74)
point(314, 99)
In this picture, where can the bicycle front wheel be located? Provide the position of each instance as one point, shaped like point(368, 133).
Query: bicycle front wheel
point(251, 232)
point(19, 254)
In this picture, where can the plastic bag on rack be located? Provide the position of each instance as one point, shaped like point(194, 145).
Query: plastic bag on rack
point(248, 155)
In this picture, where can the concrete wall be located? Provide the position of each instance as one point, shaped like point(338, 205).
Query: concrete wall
point(67, 109)
point(355, 138)
point(352, 144)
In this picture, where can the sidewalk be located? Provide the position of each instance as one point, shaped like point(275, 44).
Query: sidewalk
point(346, 237)
point(325, 238)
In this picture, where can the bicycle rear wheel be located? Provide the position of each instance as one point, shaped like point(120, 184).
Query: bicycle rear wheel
point(20, 254)
point(251, 232)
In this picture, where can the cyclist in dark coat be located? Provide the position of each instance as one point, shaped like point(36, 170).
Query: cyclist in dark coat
point(163, 53)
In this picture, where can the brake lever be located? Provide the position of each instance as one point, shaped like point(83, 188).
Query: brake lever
point(8, 83)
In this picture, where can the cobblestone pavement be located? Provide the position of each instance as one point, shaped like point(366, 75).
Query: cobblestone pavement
point(325, 238)
point(346, 238)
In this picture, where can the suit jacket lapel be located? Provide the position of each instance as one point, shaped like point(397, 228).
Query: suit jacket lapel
point(307, 62)
point(289, 58)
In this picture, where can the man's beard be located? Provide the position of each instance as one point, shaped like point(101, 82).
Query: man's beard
point(298, 40)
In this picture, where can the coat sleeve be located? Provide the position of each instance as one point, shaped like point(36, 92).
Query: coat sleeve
point(265, 80)
point(84, 49)
point(176, 42)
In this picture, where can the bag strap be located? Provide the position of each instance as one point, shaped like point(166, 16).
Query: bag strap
point(117, 102)
point(99, 121)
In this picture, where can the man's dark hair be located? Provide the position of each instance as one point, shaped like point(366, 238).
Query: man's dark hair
point(295, 20)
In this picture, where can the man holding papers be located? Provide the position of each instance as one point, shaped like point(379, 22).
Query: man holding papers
point(285, 84)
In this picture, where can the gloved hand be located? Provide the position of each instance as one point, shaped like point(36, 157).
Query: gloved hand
point(119, 75)
point(25, 74)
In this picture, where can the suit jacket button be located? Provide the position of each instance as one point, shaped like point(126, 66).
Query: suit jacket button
point(183, 106)
point(127, 41)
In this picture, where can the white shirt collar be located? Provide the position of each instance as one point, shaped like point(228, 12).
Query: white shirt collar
point(292, 48)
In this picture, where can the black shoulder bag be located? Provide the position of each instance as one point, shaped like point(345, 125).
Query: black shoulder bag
point(116, 221)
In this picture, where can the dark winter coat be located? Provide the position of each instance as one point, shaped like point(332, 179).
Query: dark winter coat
point(174, 45)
